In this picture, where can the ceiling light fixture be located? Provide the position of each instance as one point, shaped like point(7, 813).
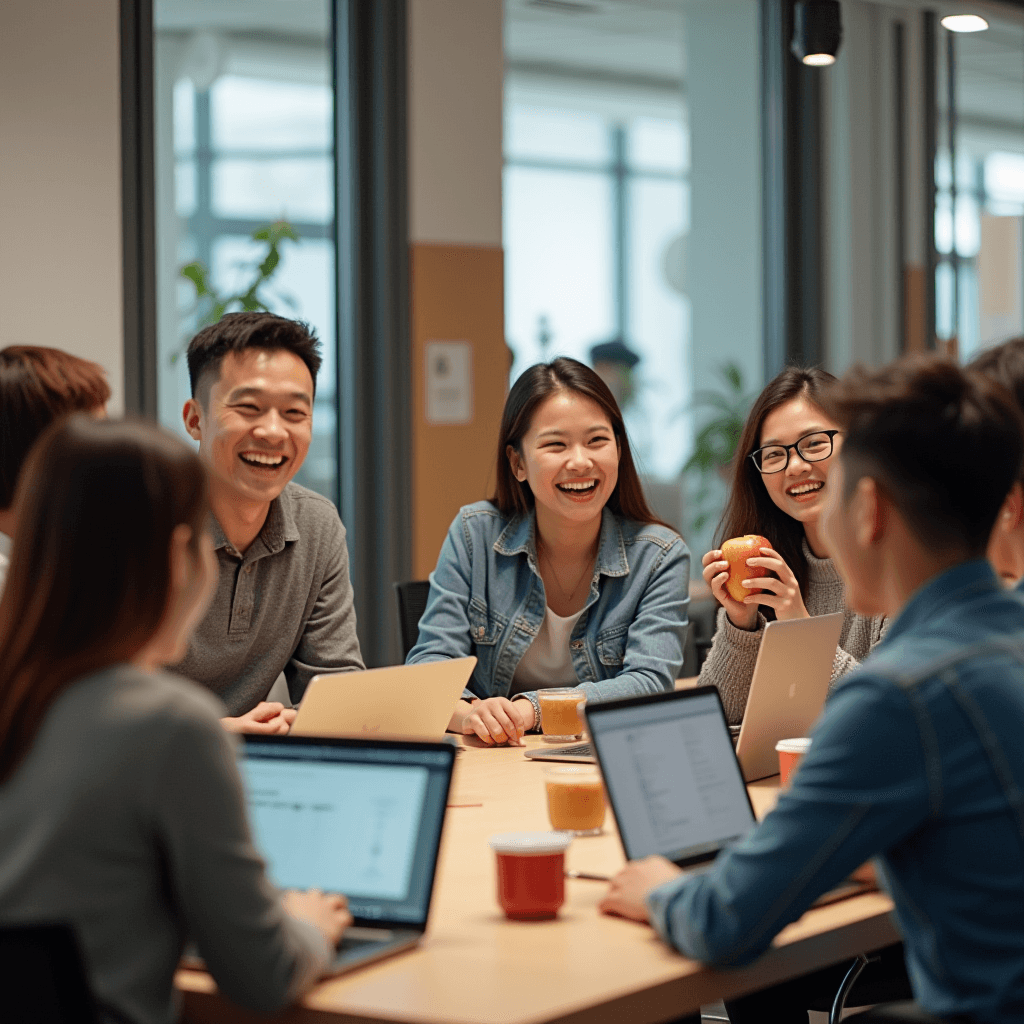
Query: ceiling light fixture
point(964, 23)
point(817, 32)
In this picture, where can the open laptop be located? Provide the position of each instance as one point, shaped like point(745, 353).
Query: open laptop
point(788, 688)
point(674, 781)
point(414, 701)
point(354, 816)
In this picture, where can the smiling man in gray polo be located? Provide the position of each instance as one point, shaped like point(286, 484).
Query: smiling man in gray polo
point(284, 599)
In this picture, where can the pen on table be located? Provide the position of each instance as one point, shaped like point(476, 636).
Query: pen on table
point(588, 876)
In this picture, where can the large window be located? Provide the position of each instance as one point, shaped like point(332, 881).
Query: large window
point(596, 208)
point(244, 141)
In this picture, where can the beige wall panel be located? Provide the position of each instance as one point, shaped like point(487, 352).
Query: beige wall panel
point(456, 295)
point(456, 68)
point(60, 179)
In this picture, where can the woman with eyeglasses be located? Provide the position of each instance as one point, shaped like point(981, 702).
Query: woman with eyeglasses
point(779, 488)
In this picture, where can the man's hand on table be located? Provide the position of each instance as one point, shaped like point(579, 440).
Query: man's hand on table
point(495, 720)
point(326, 912)
point(266, 719)
point(627, 894)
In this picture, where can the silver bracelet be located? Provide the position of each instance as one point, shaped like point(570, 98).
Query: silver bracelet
point(536, 707)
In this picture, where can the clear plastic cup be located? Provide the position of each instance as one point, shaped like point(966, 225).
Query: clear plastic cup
point(561, 713)
point(575, 798)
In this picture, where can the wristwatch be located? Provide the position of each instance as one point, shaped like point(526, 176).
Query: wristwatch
point(536, 707)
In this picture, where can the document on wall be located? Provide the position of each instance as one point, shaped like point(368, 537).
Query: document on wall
point(449, 381)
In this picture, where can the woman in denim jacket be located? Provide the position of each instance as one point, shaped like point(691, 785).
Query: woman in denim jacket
point(565, 577)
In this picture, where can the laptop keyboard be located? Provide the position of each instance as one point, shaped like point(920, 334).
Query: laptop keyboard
point(580, 750)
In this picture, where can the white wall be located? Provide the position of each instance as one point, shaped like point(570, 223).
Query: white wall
point(60, 180)
point(456, 66)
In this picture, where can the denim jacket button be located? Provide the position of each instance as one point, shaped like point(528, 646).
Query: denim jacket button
point(480, 631)
point(576, 645)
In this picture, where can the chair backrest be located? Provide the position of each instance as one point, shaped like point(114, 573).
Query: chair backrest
point(412, 600)
point(42, 976)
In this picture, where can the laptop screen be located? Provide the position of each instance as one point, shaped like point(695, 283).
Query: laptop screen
point(672, 776)
point(362, 819)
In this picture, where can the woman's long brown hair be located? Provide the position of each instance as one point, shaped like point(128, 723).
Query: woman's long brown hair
point(538, 383)
point(750, 509)
point(96, 504)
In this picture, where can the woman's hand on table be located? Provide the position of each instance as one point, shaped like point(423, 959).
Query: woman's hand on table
point(627, 894)
point(495, 720)
point(268, 718)
point(782, 594)
point(327, 912)
point(716, 572)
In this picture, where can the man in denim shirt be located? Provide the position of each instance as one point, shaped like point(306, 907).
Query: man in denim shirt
point(918, 759)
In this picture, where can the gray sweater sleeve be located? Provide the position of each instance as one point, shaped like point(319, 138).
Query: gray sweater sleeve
point(260, 956)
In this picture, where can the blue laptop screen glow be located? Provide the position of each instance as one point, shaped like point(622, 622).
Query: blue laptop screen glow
point(359, 821)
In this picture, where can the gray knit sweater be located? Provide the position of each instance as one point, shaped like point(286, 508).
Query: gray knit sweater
point(730, 662)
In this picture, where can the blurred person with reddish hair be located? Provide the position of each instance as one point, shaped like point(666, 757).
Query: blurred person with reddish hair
point(37, 386)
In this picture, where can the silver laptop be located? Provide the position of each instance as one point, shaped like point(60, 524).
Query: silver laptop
point(671, 774)
point(414, 701)
point(674, 781)
point(359, 817)
point(788, 688)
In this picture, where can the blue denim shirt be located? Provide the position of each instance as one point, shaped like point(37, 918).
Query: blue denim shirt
point(918, 760)
point(487, 598)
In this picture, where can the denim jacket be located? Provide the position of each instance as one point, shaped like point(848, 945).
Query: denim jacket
point(487, 599)
point(918, 760)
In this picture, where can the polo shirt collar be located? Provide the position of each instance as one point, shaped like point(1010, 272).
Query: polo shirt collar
point(519, 538)
point(278, 529)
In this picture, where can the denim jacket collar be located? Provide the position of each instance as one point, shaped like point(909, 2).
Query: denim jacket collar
point(948, 587)
point(519, 538)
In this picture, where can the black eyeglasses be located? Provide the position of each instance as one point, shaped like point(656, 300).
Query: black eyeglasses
point(774, 458)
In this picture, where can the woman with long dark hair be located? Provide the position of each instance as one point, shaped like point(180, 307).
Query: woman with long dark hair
point(565, 577)
point(121, 806)
point(779, 488)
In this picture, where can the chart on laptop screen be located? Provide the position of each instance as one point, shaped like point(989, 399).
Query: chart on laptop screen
point(673, 777)
point(338, 827)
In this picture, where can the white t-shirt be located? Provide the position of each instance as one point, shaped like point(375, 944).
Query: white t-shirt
point(548, 661)
point(5, 558)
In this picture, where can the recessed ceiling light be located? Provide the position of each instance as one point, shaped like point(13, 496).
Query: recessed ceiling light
point(964, 23)
point(819, 60)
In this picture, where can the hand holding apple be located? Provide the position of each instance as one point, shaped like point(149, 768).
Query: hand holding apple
point(736, 551)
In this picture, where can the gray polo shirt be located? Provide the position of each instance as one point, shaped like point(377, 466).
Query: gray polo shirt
point(285, 605)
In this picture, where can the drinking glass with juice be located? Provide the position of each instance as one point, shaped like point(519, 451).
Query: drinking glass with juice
point(575, 799)
point(561, 713)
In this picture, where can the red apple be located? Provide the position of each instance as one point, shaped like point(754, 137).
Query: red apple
point(736, 552)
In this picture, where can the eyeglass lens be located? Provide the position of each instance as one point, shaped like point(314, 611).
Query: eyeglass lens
point(812, 448)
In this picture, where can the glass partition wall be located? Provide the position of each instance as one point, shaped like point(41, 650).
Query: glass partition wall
point(245, 158)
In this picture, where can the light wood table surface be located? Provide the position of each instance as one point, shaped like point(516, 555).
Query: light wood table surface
point(476, 967)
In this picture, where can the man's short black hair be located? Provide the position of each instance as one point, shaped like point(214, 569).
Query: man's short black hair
point(944, 444)
point(237, 332)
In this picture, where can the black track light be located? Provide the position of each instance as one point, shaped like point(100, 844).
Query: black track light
point(817, 32)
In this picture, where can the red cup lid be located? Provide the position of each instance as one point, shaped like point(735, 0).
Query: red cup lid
point(530, 844)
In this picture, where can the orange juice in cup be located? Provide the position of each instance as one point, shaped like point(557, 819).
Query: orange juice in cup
point(790, 754)
point(575, 798)
point(561, 713)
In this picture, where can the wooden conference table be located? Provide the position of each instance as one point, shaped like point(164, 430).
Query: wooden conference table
point(476, 967)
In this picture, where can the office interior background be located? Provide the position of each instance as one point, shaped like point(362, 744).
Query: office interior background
point(474, 186)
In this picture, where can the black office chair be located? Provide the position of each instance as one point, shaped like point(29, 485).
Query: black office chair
point(42, 976)
point(412, 601)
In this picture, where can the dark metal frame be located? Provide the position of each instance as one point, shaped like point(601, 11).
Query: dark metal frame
point(793, 221)
point(929, 193)
point(138, 188)
point(900, 204)
point(374, 367)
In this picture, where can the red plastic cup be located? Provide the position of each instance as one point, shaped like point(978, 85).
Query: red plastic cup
point(531, 873)
point(790, 754)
